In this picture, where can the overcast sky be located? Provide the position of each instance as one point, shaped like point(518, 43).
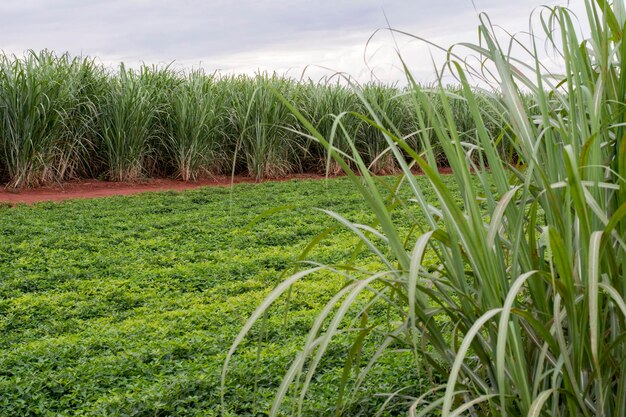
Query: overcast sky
point(247, 36)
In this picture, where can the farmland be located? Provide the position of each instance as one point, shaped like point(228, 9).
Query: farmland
point(127, 305)
point(64, 118)
point(497, 290)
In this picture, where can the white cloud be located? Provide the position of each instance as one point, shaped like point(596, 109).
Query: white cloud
point(247, 36)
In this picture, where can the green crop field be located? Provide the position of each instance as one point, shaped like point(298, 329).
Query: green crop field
point(128, 305)
point(498, 290)
point(64, 118)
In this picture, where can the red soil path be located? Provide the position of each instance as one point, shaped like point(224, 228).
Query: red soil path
point(94, 188)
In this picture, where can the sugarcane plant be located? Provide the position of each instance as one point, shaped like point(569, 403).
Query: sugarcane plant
point(523, 312)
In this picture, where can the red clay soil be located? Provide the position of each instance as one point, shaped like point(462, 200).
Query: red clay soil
point(95, 188)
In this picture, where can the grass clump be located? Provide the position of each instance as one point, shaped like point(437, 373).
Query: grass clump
point(67, 118)
point(261, 122)
point(45, 117)
point(523, 312)
point(126, 115)
point(194, 127)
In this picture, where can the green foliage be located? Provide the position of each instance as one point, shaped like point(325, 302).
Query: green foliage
point(45, 117)
point(127, 305)
point(328, 106)
point(524, 313)
point(194, 127)
point(261, 121)
point(127, 112)
point(65, 118)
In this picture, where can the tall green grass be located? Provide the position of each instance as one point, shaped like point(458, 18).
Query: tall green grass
point(261, 122)
point(525, 312)
point(126, 115)
point(66, 118)
point(328, 105)
point(44, 116)
point(194, 127)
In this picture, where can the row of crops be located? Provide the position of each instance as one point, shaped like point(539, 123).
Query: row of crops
point(64, 117)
